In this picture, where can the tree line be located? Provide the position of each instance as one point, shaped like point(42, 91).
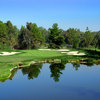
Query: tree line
point(31, 37)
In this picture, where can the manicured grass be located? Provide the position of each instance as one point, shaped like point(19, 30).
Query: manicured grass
point(5, 71)
point(9, 61)
point(26, 56)
point(30, 55)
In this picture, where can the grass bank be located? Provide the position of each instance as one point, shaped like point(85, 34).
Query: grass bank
point(26, 56)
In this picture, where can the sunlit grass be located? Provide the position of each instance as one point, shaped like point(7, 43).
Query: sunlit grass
point(26, 56)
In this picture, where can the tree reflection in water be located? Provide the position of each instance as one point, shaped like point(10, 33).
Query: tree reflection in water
point(13, 72)
point(89, 63)
point(33, 70)
point(56, 69)
point(76, 66)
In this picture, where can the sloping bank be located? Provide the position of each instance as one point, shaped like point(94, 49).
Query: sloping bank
point(23, 58)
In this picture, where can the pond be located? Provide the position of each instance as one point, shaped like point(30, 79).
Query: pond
point(56, 81)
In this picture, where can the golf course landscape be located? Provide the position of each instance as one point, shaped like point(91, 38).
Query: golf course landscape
point(49, 49)
point(22, 58)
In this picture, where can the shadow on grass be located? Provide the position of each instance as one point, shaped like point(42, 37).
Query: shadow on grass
point(92, 54)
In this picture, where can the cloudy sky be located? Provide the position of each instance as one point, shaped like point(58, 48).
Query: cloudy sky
point(67, 13)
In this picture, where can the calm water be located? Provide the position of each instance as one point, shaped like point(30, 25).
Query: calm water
point(53, 82)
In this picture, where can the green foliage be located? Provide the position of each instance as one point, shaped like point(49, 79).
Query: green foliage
point(87, 38)
point(97, 37)
point(3, 36)
point(37, 34)
point(8, 35)
point(96, 40)
point(5, 71)
point(73, 37)
point(55, 39)
point(25, 39)
point(32, 37)
point(12, 33)
point(44, 35)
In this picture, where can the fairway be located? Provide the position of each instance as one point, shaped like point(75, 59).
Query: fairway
point(29, 55)
point(26, 56)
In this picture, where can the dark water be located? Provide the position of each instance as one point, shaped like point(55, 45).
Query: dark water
point(53, 82)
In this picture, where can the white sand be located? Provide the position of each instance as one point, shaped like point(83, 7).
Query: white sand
point(9, 53)
point(55, 49)
point(76, 53)
point(63, 50)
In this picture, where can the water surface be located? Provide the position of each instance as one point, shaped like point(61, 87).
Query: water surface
point(53, 82)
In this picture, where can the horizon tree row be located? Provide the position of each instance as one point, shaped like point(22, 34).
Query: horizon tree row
point(31, 37)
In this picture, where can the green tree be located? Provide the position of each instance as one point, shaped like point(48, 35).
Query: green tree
point(88, 38)
point(55, 37)
point(73, 37)
point(96, 40)
point(44, 34)
point(59, 40)
point(24, 39)
point(12, 33)
point(36, 34)
point(3, 35)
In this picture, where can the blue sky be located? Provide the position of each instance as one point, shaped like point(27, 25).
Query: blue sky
point(67, 13)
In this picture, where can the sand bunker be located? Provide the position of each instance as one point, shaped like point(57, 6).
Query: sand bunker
point(76, 53)
point(63, 50)
point(55, 49)
point(8, 53)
